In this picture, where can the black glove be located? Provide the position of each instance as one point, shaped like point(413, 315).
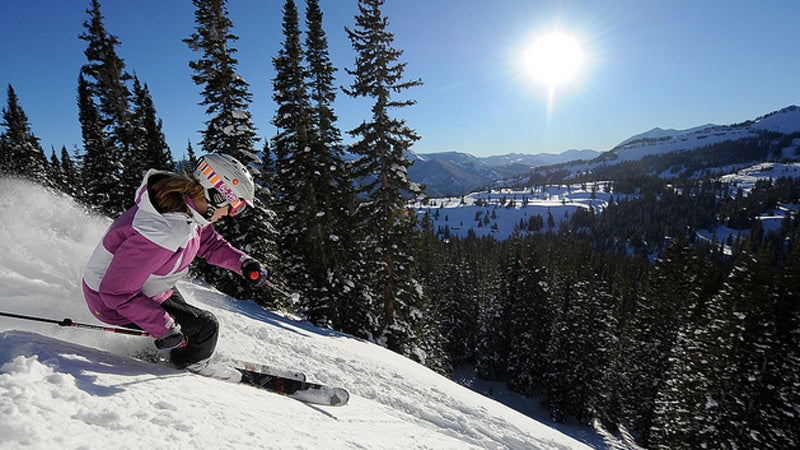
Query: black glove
point(255, 273)
point(173, 339)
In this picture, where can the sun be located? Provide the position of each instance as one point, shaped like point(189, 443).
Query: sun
point(553, 59)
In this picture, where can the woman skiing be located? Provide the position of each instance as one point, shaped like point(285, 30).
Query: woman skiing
point(130, 278)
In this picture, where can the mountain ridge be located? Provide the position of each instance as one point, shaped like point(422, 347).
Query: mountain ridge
point(453, 173)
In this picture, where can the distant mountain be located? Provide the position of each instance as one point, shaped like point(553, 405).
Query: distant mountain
point(541, 159)
point(694, 152)
point(457, 173)
point(658, 141)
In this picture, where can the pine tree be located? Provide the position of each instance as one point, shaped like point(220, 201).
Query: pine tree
point(674, 285)
point(783, 368)
point(55, 175)
point(680, 414)
point(187, 164)
point(72, 184)
point(725, 389)
point(744, 321)
point(492, 340)
point(334, 232)
point(529, 317)
point(99, 172)
point(491, 359)
point(229, 130)
point(294, 160)
point(312, 182)
point(20, 152)
point(150, 142)
point(226, 96)
point(435, 260)
point(582, 333)
point(381, 145)
point(105, 83)
point(450, 281)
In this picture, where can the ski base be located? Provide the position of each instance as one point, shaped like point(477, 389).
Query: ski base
point(264, 368)
point(303, 391)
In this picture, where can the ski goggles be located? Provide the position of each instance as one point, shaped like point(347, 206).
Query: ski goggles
point(221, 195)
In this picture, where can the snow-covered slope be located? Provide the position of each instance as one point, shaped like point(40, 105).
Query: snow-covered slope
point(73, 388)
point(658, 141)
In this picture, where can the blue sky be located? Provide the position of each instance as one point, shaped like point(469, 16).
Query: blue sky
point(648, 63)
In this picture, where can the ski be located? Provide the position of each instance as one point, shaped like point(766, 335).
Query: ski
point(267, 369)
point(303, 391)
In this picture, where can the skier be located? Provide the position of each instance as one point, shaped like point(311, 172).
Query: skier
point(130, 278)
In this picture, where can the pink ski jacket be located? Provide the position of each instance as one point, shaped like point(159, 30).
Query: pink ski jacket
point(141, 257)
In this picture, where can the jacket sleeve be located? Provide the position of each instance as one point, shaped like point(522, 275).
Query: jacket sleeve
point(121, 288)
point(218, 251)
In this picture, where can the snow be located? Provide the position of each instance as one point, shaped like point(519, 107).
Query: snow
point(76, 388)
point(460, 215)
point(507, 207)
point(659, 141)
point(747, 178)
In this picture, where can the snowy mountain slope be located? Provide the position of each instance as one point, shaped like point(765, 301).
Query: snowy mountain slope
point(457, 173)
point(659, 141)
point(70, 388)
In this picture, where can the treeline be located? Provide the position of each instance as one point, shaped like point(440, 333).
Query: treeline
point(695, 349)
point(701, 162)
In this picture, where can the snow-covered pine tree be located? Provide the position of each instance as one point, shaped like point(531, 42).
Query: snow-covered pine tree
point(529, 316)
point(55, 175)
point(743, 328)
point(724, 388)
point(582, 327)
point(492, 338)
point(680, 415)
point(491, 348)
point(435, 260)
point(381, 143)
point(100, 186)
point(674, 284)
point(450, 282)
point(190, 162)
point(334, 232)
point(294, 164)
point(20, 152)
point(149, 140)
point(72, 184)
point(230, 130)
point(105, 85)
point(784, 370)
point(226, 95)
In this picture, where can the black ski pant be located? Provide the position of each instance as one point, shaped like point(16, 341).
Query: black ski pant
point(200, 327)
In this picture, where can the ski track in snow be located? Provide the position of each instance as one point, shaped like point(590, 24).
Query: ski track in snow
point(75, 388)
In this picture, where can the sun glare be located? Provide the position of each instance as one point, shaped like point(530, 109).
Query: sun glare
point(553, 59)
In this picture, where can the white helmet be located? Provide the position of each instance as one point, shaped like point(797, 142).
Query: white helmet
point(226, 181)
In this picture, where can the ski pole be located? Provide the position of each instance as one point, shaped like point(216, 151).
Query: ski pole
point(293, 297)
point(70, 323)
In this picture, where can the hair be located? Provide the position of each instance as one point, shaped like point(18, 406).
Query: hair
point(168, 192)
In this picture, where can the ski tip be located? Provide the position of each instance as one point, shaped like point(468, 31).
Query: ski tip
point(340, 397)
